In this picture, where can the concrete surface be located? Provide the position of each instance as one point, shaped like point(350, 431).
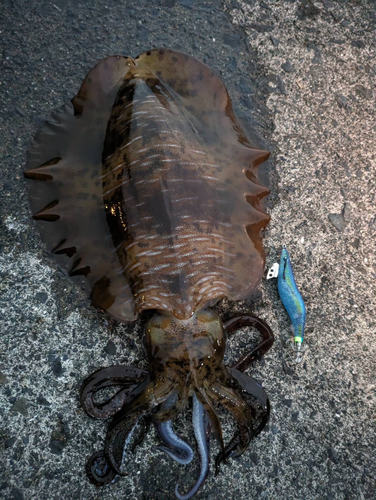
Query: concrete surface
point(303, 72)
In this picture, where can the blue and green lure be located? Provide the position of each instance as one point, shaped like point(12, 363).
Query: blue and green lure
point(291, 299)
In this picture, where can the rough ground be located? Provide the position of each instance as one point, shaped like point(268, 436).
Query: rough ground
point(304, 74)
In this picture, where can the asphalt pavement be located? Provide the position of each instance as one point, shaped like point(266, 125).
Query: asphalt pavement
point(301, 75)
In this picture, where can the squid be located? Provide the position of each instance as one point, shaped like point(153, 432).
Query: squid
point(148, 192)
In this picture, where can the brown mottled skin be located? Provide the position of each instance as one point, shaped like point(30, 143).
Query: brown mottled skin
point(174, 184)
point(150, 198)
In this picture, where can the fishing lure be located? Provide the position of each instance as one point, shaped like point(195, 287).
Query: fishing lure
point(291, 299)
point(147, 192)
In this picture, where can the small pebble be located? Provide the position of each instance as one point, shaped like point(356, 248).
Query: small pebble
point(332, 454)
point(287, 67)
point(110, 348)
point(341, 101)
point(21, 407)
point(338, 221)
point(362, 91)
point(56, 367)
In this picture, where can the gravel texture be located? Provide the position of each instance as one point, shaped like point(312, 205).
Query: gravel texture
point(302, 73)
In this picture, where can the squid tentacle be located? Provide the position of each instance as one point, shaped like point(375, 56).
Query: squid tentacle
point(261, 407)
point(141, 401)
point(216, 425)
point(233, 324)
point(103, 466)
point(199, 425)
point(249, 386)
point(126, 420)
point(117, 375)
point(170, 411)
point(98, 469)
point(165, 415)
point(174, 446)
point(243, 415)
point(139, 439)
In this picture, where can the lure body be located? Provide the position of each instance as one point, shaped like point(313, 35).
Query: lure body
point(290, 297)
